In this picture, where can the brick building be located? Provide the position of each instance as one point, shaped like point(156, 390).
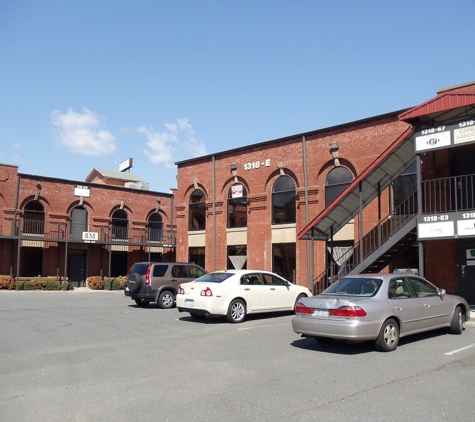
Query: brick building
point(365, 196)
point(71, 230)
point(390, 191)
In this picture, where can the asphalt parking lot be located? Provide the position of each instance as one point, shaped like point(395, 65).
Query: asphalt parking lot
point(88, 356)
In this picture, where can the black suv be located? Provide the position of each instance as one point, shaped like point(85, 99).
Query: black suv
point(158, 281)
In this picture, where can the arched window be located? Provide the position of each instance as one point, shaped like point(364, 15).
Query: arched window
point(34, 218)
point(120, 224)
point(283, 201)
point(337, 181)
point(237, 206)
point(155, 228)
point(197, 211)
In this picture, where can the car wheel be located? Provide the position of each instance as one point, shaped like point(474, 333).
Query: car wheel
point(323, 340)
point(134, 282)
point(142, 303)
point(236, 311)
point(300, 296)
point(197, 316)
point(166, 300)
point(456, 326)
point(388, 337)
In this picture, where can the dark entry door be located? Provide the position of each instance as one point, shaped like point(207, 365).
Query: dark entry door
point(78, 223)
point(77, 270)
point(466, 269)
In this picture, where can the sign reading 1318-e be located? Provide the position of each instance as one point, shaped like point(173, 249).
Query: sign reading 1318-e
point(445, 136)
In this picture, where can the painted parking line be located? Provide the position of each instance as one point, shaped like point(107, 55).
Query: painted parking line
point(453, 352)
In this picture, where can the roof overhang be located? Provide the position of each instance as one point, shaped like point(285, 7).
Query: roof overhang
point(385, 169)
point(447, 106)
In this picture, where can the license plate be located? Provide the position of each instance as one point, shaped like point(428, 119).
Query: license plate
point(189, 302)
point(320, 312)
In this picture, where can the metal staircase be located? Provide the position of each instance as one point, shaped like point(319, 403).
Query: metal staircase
point(392, 236)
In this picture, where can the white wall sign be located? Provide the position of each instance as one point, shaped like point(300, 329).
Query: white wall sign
point(435, 230)
point(90, 237)
point(83, 191)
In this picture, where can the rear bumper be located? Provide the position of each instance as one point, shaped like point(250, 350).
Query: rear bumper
point(352, 329)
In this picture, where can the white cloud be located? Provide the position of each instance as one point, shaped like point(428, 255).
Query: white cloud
point(167, 147)
point(82, 133)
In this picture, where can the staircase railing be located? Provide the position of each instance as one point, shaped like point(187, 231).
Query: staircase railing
point(373, 240)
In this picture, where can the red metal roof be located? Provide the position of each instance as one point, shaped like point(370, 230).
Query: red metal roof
point(443, 102)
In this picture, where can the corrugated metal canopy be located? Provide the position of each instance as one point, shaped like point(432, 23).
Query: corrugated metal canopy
point(446, 106)
point(386, 168)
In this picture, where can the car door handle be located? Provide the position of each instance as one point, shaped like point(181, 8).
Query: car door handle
point(398, 308)
point(272, 288)
point(426, 305)
point(247, 288)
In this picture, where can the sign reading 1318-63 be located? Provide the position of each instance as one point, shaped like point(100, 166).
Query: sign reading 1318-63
point(445, 136)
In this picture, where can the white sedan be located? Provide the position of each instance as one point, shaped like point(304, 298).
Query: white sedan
point(236, 293)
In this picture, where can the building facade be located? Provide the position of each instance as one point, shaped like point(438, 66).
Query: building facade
point(71, 230)
point(390, 192)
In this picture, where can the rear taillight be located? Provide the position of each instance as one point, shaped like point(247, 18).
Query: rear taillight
point(181, 290)
point(147, 276)
point(300, 308)
point(348, 311)
point(206, 292)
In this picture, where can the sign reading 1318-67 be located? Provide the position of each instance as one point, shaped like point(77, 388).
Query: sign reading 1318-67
point(445, 136)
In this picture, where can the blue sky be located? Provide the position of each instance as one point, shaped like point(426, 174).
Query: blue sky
point(88, 84)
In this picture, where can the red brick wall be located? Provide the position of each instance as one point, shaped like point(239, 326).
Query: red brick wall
point(58, 200)
point(359, 145)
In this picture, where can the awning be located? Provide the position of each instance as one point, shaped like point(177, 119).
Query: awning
point(447, 106)
point(385, 169)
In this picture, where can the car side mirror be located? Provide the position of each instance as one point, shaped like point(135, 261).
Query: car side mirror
point(441, 292)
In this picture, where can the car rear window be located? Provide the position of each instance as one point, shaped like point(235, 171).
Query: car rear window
point(354, 287)
point(139, 268)
point(214, 277)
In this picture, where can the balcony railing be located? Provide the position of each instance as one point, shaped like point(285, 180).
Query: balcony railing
point(449, 194)
point(65, 231)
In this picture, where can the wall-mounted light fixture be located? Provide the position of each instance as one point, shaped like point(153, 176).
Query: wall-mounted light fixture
point(234, 172)
point(281, 168)
point(334, 152)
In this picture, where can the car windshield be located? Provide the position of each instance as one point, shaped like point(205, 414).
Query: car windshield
point(214, 277)
point(354, 287)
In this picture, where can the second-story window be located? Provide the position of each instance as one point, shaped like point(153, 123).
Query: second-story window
point(337, 181)
point(34, 218)
point(283, 201)
point(237, 206)
point(120, 224)
point(155, 228)
point(197, 211)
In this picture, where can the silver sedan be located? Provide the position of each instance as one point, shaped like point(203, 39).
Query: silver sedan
point(379, 307)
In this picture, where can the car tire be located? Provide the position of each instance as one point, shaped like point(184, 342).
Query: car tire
point(237, 311)
point(456, 326)
point(142, 303)
point(197, 316)
point(134, 282)
point(388, 337)
point(323, 340)
point(166, 299)
point(300, 296)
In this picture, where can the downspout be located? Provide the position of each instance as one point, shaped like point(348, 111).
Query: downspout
point(16, 232)
point(310, 267)
point(214, 211)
